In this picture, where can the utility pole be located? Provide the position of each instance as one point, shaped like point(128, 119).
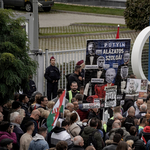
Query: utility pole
point(149, 56)
point(36, 27)
point(2, 4)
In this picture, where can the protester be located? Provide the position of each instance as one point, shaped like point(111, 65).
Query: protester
point(6, 131)
point(71, 93)
point(137, 105)
point(39, 142)
point(139, 144)
point(59, 93)
point(70, 107)
point(75, 77)
point(74, 129)
point(62, 145)
point(60, 134)
point(24, 101)
point(78, 143)
point(143, 111)
point(122, 146)
point(43, 102)
point(52, 75)
point(92, 130)
point(114, 144)
point(6, 144)
point(15, 120)
point(26, 138)
point(34, 118)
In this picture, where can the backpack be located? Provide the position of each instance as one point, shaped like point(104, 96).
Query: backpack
point(91, 140)
point(129, 121)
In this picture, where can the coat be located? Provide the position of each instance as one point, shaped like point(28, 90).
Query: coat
point(112, 133)
point(38, 143)
point(139, 144)
point(76, 147)
point(4, 135)
point(97, 136)
point(74, 130)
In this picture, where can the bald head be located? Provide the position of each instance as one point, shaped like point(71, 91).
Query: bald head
point(115, 125)
point(118, 116)
point(131, 111)
point(139, 102)
point(35, 114)
point(78, 140)
point(70, 107)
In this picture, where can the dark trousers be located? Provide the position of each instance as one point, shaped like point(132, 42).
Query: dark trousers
point(52, 90)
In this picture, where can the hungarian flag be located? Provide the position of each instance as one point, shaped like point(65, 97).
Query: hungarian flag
point(117, 36)
point(54, 114)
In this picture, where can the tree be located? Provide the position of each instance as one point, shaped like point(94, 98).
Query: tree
point(137, 14)
point(15, 63)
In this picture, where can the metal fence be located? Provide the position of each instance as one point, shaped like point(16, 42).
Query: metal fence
point(65, 61)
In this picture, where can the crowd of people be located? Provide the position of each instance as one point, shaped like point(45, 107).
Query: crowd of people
point(23, 120)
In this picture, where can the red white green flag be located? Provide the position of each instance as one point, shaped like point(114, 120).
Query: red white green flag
point(54, 114)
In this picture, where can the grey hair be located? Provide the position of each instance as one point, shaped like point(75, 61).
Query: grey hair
point(77, 140)
point(143, 107)
point(13, 116)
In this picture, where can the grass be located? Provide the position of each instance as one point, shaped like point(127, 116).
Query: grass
point(89, 9)
point(69, 33)
point(103, 24)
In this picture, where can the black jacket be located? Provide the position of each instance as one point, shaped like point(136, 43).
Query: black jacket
point(87, 62)
point(52, 73)
point(140, 115)
point(74, 77)
point(76, 147)
point(139, 144)
point(113, 146)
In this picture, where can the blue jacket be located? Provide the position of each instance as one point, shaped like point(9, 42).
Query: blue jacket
point(38, 143)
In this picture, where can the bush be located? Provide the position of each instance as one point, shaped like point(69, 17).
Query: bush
point(137, 14)
point(15, 63)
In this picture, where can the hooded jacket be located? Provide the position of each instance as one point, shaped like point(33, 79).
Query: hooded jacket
point(97, 136)
point(58, 134)
point(139, 144)
point(146, 134)
point(6, 135)
point(38, 143)
point(112, 133)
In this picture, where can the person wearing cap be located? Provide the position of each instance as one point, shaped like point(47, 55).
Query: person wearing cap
point(52, 75)
point(82, 64)
point(6, 144)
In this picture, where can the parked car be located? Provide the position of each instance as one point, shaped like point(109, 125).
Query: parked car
point(44, 4)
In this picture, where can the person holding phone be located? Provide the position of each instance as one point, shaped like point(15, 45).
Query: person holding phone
point(6, 131)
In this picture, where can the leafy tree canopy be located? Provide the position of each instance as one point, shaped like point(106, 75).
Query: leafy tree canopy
point(137, 14)
point(15, 63)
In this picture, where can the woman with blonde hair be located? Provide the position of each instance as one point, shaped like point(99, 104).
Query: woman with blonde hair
point(50, 105)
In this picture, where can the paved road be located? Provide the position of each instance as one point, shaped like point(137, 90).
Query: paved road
point(65, 19)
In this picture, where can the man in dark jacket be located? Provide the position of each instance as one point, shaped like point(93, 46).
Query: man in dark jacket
point(92, 136)
point(139, 144)
point(75, 77)
point(52, 75)
point(113, 145)
point(78, 143)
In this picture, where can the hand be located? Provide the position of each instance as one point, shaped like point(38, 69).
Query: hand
point(11, 129)
point(80, 78)
point(56, 81)
point(53, 81)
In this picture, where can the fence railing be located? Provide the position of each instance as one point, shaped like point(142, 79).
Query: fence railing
point(65, 61)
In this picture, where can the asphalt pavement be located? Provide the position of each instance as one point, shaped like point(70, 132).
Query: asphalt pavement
point(65, 19)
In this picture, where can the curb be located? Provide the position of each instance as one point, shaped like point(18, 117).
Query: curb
point(86, 34)
point(92, 14)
